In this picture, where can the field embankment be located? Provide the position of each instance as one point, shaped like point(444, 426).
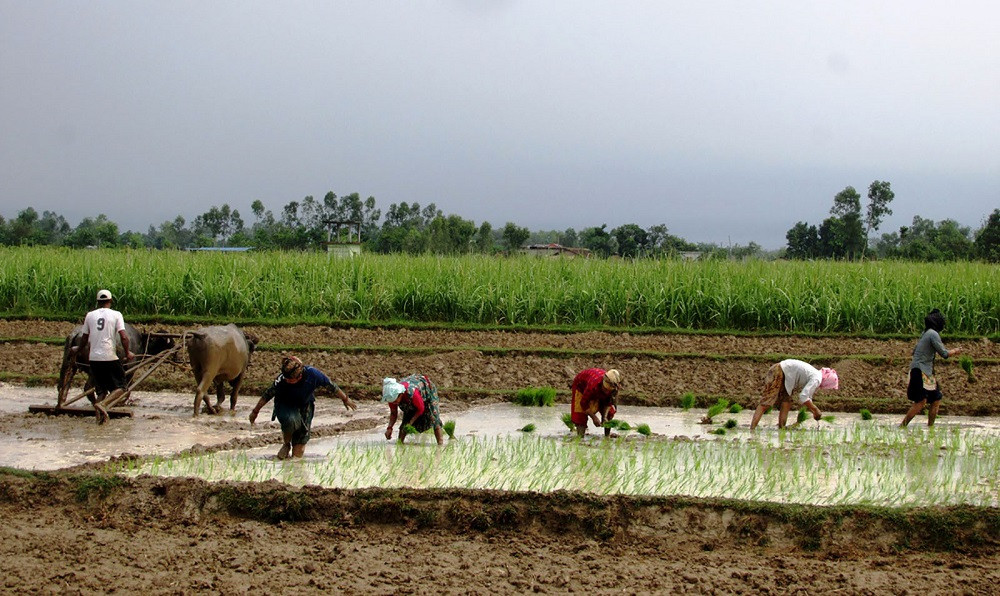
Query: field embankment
point(99, 533)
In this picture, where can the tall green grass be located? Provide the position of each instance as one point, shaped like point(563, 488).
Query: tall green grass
point(877, 297)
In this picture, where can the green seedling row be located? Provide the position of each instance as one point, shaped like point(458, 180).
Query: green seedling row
point(862, 464)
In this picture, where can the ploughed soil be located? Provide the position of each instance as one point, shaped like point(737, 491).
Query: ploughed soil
point(78, 531)
point(657, 369)
point(85, 534)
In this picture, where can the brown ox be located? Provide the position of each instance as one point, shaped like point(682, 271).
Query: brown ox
point(219, 353)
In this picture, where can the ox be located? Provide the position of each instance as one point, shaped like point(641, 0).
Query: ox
point(76, 355)
point(217, 354)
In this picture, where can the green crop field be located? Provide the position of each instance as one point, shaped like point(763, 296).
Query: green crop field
point(288, 287)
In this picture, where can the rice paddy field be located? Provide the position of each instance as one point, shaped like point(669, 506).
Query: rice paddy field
point(850, 504)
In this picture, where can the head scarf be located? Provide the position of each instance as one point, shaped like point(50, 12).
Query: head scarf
point(391, 388)
point(830, 379)
point(612, 379)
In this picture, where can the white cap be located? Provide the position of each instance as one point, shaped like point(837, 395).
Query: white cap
point(103, 295)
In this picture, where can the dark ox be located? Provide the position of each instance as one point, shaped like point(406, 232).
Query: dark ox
point(219, 353)
point(76, 355)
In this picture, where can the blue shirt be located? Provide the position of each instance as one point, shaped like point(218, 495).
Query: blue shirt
point(299, 394)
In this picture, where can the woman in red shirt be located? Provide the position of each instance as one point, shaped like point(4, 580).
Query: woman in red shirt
point(417, 397)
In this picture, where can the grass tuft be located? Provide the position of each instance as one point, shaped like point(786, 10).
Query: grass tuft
point(536, 396)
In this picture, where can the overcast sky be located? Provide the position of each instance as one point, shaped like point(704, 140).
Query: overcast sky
point(726, 121)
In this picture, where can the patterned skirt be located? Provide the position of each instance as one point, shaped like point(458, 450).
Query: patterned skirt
point(431, 418)
point(774, 388)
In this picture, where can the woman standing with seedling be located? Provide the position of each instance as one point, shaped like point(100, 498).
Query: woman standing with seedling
point(417, 397)
point(784, 379)
point(923, 389)
point(594, 392)
point(294, 394)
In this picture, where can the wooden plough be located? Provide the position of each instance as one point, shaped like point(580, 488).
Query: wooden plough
point(140, 369)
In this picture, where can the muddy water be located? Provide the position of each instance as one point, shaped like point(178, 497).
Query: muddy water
point(163, 425)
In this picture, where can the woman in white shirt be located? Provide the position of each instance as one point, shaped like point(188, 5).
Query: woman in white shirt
point(786, 378)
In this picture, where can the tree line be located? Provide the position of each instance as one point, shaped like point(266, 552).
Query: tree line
point(301, 225)
point(845, 234)
point(412, 228)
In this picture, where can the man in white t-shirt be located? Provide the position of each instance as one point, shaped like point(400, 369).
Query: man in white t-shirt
point(787, 377)
point(99, 330)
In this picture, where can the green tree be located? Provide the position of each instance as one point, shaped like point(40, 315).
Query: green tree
point(987, 242)
point(218, 224)
point(450, 235)
point(879, 196)
point(484, 238)
point(632, 240)
point(803, 241)
point(405, 228)
point(568, 238)
point(514, 236)
point(99, 231)
point(846, 202)
point(598, 240)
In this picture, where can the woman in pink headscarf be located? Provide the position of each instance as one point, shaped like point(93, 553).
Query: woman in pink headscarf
point(787, 377)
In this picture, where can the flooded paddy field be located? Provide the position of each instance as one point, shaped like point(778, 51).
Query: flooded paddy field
point(846, 506)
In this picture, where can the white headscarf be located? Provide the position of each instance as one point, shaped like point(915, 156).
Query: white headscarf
point(391, 389)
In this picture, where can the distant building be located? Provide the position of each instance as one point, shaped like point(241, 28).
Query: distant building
point(222, 248)
point(343, 238)
point(554, 250)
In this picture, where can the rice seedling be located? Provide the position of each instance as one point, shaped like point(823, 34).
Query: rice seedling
point(410, 429)
point(536, 396)
point(731, 423)
point(866, 415)
point(966, 363)
point(528, 428)
point(567, 419)
point(718, 431)
point(828, 418)
point(735, 409)
point(687, 401)
point(643, 429)
point(449, 428)
point(713, 411)
point(802, 416)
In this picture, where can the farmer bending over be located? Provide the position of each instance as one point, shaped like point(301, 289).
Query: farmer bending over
point(784, 379)
point(294, 394)
point(417, 397)
point(594, 392)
